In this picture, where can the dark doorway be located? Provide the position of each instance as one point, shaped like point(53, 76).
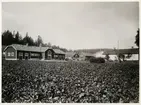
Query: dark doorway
point(26, 56)
point(49, 54)
point(20, 57)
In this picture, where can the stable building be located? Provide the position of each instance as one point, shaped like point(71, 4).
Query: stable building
point(85, 56)
point(54, 54)
point(17, 51)
point(72, 55)
point(79, 56)
point(133, 53)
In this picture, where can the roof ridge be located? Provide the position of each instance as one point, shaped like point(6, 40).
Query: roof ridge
point(28, 45)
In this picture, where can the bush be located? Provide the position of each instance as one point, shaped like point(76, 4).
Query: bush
point(97, 60)
point(66, 59)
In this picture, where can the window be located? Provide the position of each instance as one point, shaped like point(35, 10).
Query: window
point(8, 53)
point(49, 53)
point(20, 54)
point(26, 54)
point(12, 53)
point(35, 54)
point(32, 54)
point(55, 56)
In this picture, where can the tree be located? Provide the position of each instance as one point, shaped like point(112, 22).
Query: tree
point(121, 57)
point(39, 41)
point(129, 55)
point(25, 39)
point(137, 38)
point(49, 44)
point(28, 40)
point(17, 38)
point(20, 39)
point(7, 38)
point(44, 45)
point(107, 57)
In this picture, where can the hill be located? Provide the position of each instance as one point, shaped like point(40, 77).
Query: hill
point(94, 50)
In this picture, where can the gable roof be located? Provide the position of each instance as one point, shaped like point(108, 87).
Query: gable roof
point(29, 48)
point(33, 48)
point(70, 54)
point(3, 47)
point(58, 51)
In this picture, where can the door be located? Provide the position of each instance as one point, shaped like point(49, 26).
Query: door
point(49, 55)
point(26, 56)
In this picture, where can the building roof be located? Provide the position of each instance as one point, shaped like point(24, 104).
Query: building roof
point(131, 51)
point(3, 47)
point(58, 51)
point(70, 54)
point(34, 48)
point(29, 48)
point(122, 51)
point(110, 52)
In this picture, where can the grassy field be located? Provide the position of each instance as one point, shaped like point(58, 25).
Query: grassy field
point(67, 82)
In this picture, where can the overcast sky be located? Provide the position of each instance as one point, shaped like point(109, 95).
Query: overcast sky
point(75, 25)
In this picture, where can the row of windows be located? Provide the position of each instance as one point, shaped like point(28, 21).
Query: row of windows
point(27, 54)
point(35, 54)
point(10, 53)
point(32, 54)
point(20, 54)
point(55, 56)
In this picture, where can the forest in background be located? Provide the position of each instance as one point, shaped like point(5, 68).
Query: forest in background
point(9, 38)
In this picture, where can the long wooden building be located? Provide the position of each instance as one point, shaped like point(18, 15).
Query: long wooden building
point(133, 52)
point(17, 51)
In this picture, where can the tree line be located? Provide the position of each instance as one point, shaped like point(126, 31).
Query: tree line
point(9, 38)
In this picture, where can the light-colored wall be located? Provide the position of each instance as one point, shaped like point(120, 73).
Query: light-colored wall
point(133, 57)
point(43, 55)
point(99, 54)
point(113, 57)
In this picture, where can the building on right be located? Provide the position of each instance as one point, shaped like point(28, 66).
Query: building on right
point(129, 54)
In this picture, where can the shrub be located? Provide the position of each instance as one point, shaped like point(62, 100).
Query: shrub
point(66, 59)
point(97, 60)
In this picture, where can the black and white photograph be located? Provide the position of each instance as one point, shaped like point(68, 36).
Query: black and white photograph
point(70, 52)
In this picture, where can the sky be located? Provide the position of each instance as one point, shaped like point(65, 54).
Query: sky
point(75, 25)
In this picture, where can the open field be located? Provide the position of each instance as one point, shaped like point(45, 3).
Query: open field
point(41, 81)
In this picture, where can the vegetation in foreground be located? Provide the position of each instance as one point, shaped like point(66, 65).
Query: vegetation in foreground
point(47, 82)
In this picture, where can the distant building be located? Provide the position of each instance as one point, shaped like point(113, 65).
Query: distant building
point(17, 51)
point(72, 55)
point(113, 54)
point(99, 54)
point(85, 56)
point(78, 56)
